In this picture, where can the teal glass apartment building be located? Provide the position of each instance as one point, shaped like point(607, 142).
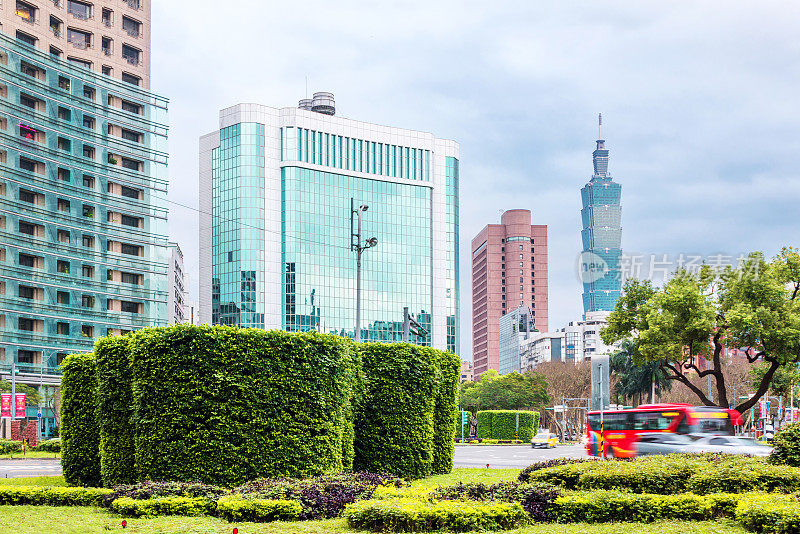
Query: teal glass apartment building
point(83, 210)
point(601, 236)
point(275, 199)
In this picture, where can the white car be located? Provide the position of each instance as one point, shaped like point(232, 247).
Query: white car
point(730, 445)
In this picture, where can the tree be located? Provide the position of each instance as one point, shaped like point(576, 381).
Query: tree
point(504, 392)
point(636, 381)
point(31, 395)
point(694, 317)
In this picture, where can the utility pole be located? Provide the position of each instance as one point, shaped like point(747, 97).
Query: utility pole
point(13, 390)
point(602, 442)
point(358, 248)
point(411, 326)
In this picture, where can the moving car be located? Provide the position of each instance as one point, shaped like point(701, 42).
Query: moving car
point(652, 443)
point(730, 445)
point(545, 440)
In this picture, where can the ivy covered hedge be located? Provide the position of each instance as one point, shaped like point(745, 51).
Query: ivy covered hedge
point(115, 411)
point(224, 405)
point(80, 441)
point(502, 424)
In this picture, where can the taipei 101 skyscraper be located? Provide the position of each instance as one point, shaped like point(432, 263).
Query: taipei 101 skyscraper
point(601, 235)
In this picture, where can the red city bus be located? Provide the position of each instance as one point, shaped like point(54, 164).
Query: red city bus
point(622, 427)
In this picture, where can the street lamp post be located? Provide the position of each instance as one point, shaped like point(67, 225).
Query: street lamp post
point(358, 248)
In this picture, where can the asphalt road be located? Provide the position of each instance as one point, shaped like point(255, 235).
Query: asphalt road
point(498, 457)
point(29, 468)
point(511, 457)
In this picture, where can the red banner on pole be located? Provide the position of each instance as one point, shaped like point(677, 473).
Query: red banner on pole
point(5, 405)
point(19, 406)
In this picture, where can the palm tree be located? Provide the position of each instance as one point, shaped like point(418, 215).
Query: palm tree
point(637, 380)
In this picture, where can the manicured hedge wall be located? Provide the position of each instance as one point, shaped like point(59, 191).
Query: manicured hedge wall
point(225, 405)
point(80, 440)
point(394, 429)
point(502, 424)
point(444, 417)
point(115, 411)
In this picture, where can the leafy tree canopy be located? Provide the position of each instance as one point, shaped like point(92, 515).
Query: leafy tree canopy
point(504, 392)
point(754, 307)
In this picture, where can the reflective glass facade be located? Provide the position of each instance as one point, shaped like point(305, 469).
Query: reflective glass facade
point(601, 237)
point(319, 278)
point(83, 209)
point(238, 219)
point(278, 184)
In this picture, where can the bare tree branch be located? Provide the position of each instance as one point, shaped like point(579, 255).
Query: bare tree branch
point(762, 387)
point(681, 377)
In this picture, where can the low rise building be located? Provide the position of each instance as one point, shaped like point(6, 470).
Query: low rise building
point(466, 371)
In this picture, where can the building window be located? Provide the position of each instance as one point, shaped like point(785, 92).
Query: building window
point(107, 46)
point(88, 181)
point(88, 151)
point(130, 307)
point(79, 39)
point(25, 324)
point(130, 135)
point(26, 356)
point(27, 196)
point(28, 165)
point(131, 278)
point(29, 133)
point(26, 292)
point(55, 51)
point(107, 70)
point(26, 12)
point(63, 83)
point(87, 330)
point(87, 301)
point(88, 211)
point(88, 241)
point(26, 260)
point(128, 220)
point(62, 266)
point(87, 271)
point(25, 38)
point(131, 164)
point(88, 92)
point(132, 250)
point(131, 107)
point(131, 27)
point(88, 122)
point(29, 102)
point(79, 10)
point(63, 236)
point(80, 62)
point(131, 54)
point(27, 228)
point(130, 78)
point(62, 297)
point(63, 174)
point(64, 144)
point(63, 205)
point(64, 114)
point(107, 17)
point(62, 329)
point(130, 192)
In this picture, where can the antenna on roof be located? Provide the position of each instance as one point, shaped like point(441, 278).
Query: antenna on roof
point(600, 125)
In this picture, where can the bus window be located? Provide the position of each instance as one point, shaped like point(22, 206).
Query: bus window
point(650, 421)
point(683, 426)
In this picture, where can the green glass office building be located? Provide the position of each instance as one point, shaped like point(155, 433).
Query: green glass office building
point(83, 209)
point(275, 192)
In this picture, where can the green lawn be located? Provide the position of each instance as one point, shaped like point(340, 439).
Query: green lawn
point(77, 520)
point(30, 454)
point(33, 481)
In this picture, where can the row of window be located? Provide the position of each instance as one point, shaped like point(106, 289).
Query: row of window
point(88, 210)
point(62, 328)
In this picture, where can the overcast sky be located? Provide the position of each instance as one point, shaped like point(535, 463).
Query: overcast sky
point(699, 100)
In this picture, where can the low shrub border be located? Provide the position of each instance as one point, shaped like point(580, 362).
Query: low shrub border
point(51, 496)
point(234, 508)
point(189, 506)
point(605, 506)
point(8, 446)
point(412, 515)
point(769, 514)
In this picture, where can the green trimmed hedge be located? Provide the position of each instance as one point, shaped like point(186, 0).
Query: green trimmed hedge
point(607, 506)
point(234, 508)
point(769, 514)
point(502, 424)
point(444, 415)
point(674, 473)
point(411, 515)
point(51, 445)
point(8, 446)
point(188, 506)
point(51, 496)
point(786, 446)
point(394, 420)
point(224, 405)
point(115, 411)
point(80, 457)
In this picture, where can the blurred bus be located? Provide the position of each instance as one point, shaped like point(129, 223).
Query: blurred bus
point(621, 427)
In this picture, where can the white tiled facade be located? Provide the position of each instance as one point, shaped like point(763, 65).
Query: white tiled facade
point(178, 280)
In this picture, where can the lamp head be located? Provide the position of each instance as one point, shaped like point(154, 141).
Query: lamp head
point(372, 241)
point(363, 207)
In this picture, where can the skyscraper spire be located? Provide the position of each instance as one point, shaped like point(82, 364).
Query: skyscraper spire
point(600, 125)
